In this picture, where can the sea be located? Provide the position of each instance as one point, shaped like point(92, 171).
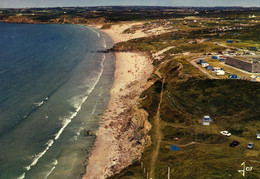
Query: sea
point(55, 83)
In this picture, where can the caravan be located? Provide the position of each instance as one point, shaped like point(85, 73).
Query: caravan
point(220, 72)
point(216, 69)
point(204, 64)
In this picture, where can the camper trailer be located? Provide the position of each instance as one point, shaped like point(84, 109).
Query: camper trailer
point(220, 72)
point(216, 69)
point(204, 64)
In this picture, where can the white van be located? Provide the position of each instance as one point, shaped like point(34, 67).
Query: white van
point(204, 64)
point(220, 72)
point(216, 69)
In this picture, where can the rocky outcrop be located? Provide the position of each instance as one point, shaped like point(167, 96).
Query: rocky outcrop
point(141, 126)
point(132, 137)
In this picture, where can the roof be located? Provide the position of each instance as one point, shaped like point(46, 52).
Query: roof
point(248, 58)
point(207, 118)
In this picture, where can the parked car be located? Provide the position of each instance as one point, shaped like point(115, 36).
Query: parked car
point(225, 133)
point(258, 136)
point(204, 64)
point(234, 143)
point(232, 76)
point(250, 145)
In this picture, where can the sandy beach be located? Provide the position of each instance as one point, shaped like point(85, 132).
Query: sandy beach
point(118, 144)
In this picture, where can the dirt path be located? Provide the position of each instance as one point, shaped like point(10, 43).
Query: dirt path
point(158, 135)
point(158, 68)
point(226, 46)
point(191, 143)
point(201, 69)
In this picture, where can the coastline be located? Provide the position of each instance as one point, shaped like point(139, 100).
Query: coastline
point(113, 149)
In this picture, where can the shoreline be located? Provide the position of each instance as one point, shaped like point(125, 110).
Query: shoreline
point(113, 149)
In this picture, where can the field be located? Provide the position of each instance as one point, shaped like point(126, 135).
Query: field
point(182, 95)
point(204, 152)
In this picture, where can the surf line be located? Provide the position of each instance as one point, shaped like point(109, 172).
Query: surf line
point(81, 128)
point(92, 29)
point(54, 166)
point(65, 122)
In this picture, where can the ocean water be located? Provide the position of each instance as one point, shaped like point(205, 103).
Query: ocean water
point(54, 86)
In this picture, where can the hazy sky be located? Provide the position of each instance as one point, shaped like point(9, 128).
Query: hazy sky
point(61, 3)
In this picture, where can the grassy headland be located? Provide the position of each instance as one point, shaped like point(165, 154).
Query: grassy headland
point(180, 94)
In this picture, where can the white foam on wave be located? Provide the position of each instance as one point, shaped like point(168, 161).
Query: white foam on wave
point(76, 102)
point(94, 109)
point(65, 121)
point(37, 157)
point(81, 128)
point(38, 104)
point(98, 34)
point(104, 43)
point(54, 164)
point(21, 177)
point(78, 133)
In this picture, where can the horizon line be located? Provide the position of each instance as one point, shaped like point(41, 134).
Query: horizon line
point(228, 6)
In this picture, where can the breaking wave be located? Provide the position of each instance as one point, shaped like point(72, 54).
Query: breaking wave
point(54, 164)
point(41, 103)
point(77, 103)
point(98, 34)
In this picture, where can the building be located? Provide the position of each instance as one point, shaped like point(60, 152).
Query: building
point(247, 63)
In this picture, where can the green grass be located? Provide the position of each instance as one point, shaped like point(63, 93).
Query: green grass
point(187, 97)
point(132, 172)
point(151, 98)
point(246, 34)
point(232, 104)
point(197, 48)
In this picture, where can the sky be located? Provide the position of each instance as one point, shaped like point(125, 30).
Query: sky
point(66, 3)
